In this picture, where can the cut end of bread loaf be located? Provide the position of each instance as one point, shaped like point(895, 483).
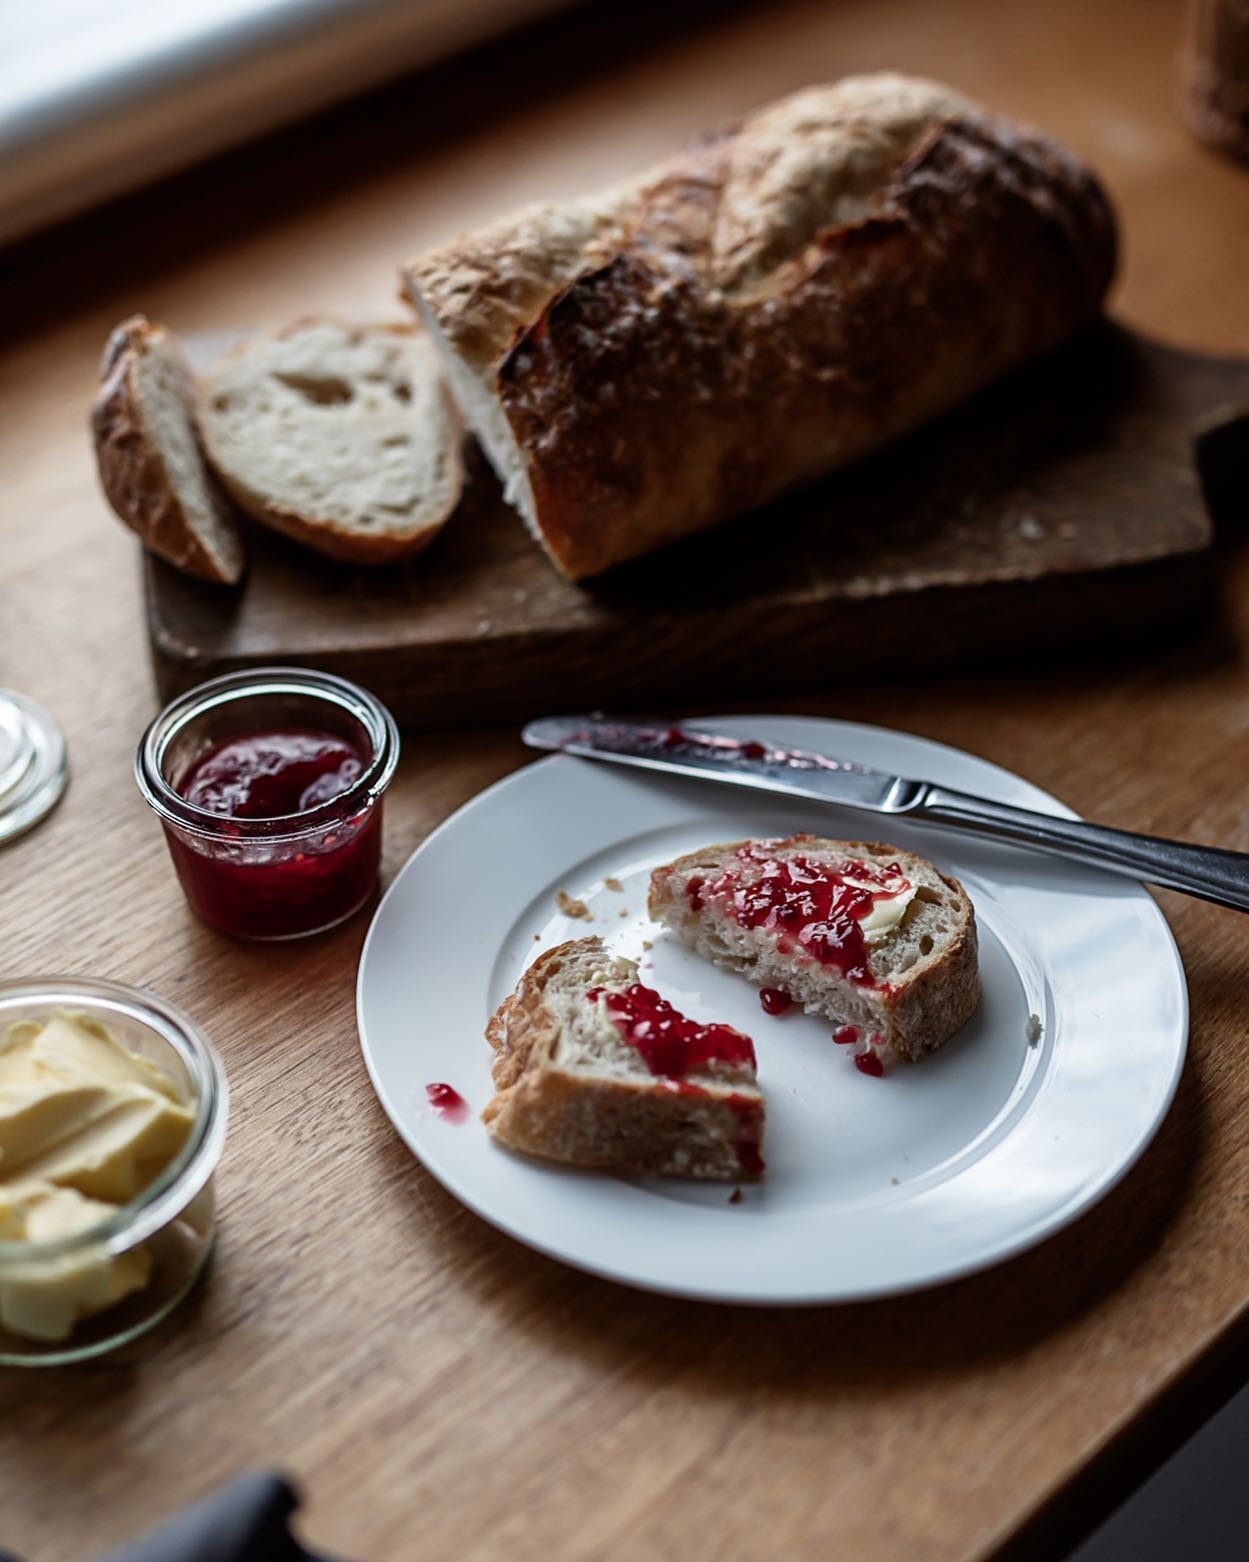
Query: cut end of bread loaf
point(572, 1087)
point(151, 465)
point(342, 437)
point(893, 953)
point(476, 393)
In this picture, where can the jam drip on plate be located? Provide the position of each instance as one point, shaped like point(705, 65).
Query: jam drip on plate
point(812, 907)
point(773, 1001)
point(447, 1102)
point(670, 1044)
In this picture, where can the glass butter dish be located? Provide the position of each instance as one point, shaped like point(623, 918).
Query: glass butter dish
point(112, 1119)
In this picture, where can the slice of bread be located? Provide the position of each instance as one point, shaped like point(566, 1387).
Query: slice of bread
point(343, 437)
point(148, 453)
point(866, 935)
point(580, 1060)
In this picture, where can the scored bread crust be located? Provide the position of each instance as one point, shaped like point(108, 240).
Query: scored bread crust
point(331, 535)
point(638, 1127)
point(136, 473)
point(780, 299)
point(914, 1013)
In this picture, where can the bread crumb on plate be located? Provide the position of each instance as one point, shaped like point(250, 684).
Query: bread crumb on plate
point(613, 884)
point(1033, 1029)
point(571, 907)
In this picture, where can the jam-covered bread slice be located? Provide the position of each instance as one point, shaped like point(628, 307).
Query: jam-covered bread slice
point(595, 1068)
point(872, 938)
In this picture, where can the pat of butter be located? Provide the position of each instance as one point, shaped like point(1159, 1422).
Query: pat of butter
point(85, 1126)
point(80, 1111)
point(886, 913)
point(44, 1298)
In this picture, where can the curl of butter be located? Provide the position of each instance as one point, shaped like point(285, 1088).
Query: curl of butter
point(887, 910)
point(85, 1126)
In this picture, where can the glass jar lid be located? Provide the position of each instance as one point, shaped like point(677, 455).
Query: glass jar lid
point(33, 767)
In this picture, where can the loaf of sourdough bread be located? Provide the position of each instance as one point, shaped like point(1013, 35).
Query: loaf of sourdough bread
point(779, 299)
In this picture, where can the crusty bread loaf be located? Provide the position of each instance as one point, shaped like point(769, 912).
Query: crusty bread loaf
point(891, 950)
point(151, 466)
point(343, 437)
point(573, 1087)
point(778, 300)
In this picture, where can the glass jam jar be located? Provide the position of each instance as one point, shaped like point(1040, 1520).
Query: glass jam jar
point(251, 872)
point(163, 1235)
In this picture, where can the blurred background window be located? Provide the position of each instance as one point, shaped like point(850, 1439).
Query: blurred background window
point(98, 96)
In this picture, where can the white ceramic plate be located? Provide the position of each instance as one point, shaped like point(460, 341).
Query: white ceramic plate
point(874, 1186)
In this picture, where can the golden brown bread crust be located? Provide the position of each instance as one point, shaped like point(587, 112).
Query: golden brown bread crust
point(743, 320)
point(132, 472)
point(637, 1129)
point(917, 1013)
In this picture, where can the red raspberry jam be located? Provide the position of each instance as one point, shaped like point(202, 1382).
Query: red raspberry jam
point(292, 882)
point(447, 1102)
point(774, 1001)
point(267, 775)
point(808, 905)
point(749, 1156)
point(749, 1115)
point(869, 1063)
point(846, 1035)
point(670, 1044)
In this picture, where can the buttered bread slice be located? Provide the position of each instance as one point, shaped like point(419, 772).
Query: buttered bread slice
point(594, 1068)
point(872, 938)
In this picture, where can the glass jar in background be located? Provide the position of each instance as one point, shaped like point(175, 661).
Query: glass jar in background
point(152, 1248)
point(291, 874)
point(1214, 74)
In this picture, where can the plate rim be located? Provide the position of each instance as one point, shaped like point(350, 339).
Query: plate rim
point(1034, 1234)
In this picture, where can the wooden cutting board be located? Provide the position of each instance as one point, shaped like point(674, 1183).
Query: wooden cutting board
point(1069, 505)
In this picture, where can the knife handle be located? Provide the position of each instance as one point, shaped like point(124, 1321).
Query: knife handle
point(1204, 871)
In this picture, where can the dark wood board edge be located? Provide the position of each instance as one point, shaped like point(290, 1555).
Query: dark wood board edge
point(806, 647)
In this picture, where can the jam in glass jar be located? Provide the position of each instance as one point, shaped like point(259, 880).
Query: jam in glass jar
point(269, 785)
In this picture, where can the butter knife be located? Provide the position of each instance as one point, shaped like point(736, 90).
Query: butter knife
point(1204, 871)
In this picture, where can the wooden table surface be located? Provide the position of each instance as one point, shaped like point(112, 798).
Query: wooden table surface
point(438, 1390)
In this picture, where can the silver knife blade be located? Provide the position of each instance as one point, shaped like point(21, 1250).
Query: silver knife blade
point(688, 751)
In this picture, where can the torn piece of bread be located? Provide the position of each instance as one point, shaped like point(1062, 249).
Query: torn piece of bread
point(595, 1069)
point(151, 466)
point(866, 935)
point(343, 437)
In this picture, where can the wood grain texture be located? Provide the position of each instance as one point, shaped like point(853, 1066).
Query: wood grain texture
point(1057, 510)
point(439, 1390)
